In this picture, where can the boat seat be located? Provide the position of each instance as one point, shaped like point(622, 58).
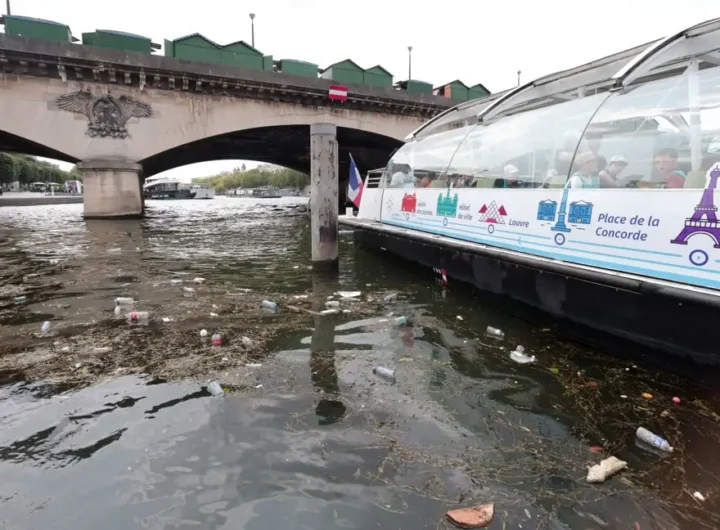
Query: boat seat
point(695, 179)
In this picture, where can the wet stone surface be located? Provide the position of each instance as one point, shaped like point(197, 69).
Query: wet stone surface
point(104, 424)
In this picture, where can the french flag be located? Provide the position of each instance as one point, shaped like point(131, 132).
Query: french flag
point(355, 184)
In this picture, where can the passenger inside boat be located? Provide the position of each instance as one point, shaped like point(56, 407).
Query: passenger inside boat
point(586, 171)
point(665, 169)
point(401, 177)
point(510, 178)
point(610, 173)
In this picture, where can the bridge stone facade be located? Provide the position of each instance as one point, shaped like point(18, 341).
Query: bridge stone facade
point(124, 116)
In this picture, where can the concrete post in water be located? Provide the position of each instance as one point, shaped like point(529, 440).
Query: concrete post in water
point(112, 188)
point(324, 194)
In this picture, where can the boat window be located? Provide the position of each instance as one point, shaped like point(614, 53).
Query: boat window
point(422, 163)
point(660, 134)
point(526, 150)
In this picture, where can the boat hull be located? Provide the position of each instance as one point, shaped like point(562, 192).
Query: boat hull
point(172, 195)
point(625, 309)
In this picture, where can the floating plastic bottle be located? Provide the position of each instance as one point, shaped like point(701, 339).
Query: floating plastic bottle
point(135, 317)
point(348, 294)
point(400, 321)
point(199, 280)
point(20, 299)
point(269, 305)
point(189, 290)
point(495, 332)
point(384, 372)
point(215, 389)
point(216, 339)
point(329, 311)
point(117, 310)
point(45, 328)
point(247, 342)
point(392, 297)
point(176, 281)
point(332, 303)
point(124, 300)
point(653, 439)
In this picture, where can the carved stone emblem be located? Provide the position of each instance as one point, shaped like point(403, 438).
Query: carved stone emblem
point(106, 114)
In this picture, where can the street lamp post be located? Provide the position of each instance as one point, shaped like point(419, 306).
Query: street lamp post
point(252, 28)
point(7, 7)
point(519, 72)
point(409, 62)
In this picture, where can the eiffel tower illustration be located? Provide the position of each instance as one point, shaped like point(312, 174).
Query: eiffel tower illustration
point(704, 220)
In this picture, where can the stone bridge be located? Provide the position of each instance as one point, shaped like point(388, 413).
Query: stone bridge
point(125, 116)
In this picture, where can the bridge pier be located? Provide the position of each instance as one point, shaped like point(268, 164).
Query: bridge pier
point(112, 188)
point(324, 195)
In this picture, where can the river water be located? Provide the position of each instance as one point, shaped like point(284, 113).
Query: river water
point(306, 436)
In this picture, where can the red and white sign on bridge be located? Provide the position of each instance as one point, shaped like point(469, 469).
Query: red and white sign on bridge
point(338, 93)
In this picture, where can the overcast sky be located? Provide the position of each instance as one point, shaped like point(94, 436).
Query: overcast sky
point(476, 42)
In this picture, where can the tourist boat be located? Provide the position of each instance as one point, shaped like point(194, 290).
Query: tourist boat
point(524, 210)
point(260, 193)
point(163, 188)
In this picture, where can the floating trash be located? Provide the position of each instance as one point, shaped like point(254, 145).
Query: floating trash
point(45, 328)
point(199, 280)
point(653, 439)
point(495, 333)
point(203, 333)
point(608, 467)
point(384, 372)
point(215, 389)
point(135, 317)
point(269, 305)
point(124, 300)
point(476, 517)
point(348, 294)
point(519, 357)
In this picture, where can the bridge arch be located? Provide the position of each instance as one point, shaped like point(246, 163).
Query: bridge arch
point(12, 143)
point(283, 145)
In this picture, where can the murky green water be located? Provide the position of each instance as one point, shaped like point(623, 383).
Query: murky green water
point(311, 438)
